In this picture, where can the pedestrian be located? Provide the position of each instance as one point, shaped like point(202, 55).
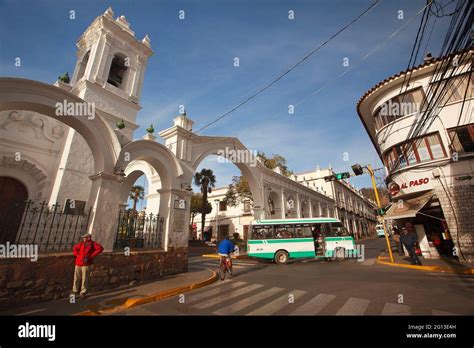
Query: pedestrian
point(409, 240)
point(85, 252)
point(398, 243)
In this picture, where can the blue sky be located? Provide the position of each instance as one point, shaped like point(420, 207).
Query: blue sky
point(193, 66)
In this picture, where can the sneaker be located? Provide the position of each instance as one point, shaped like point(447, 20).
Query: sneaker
point(82, 296)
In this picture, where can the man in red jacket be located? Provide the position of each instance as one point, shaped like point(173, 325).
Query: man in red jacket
point(84, 252)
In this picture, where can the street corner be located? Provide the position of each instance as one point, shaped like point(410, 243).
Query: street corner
point(457, 269)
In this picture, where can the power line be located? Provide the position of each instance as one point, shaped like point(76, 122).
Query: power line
point(278, 78)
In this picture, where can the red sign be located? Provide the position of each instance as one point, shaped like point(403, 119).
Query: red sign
point(394, 189)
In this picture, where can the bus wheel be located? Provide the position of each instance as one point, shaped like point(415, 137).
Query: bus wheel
point(281, 257)
point(339, 254)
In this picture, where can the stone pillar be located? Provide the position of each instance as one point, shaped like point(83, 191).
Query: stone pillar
point(320, 211)
point(105, 202)
point(457, 204)
point(298, 206)
point(175, 209)
point(283, 204)
point(311, 213)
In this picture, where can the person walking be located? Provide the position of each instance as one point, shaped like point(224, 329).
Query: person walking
point(85, 252)
point(398, 243)
point(409, 240)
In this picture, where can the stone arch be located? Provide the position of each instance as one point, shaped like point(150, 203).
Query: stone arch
point(222, 146)
point(29, 174)
point(23, 94)
point(305, 207)
point(274, 208)
point(158, 156)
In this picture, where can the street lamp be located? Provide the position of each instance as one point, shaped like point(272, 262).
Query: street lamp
point(217, 217)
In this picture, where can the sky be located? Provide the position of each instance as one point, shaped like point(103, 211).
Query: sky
point(193, 65)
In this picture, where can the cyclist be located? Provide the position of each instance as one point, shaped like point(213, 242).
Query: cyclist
point(225, 248)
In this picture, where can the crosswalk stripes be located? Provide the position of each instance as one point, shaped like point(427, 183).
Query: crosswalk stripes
point(267, 301)
point(396, 309)
point(436, 312)
point(236, 293)
point(277, 304)
point(248, 301)
point(315, 305)
point(354, 306)
point(218, 289)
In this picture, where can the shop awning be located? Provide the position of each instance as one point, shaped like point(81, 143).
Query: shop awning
point(408, 208)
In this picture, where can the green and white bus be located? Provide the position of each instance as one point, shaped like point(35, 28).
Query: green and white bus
point(285, 239)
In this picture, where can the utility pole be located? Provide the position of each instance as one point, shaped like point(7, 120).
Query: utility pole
point(379, 206)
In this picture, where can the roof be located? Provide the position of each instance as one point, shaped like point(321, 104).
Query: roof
point(424, 65)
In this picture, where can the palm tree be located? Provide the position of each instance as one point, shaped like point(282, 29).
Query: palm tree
point(137, 193)
point(206, 180)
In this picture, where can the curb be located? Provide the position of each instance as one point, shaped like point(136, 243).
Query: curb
point(440, 269)
point(215, 256)
point(133, 302)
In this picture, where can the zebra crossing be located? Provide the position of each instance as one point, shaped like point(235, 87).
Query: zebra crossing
point(238, 266)
point(243, 298)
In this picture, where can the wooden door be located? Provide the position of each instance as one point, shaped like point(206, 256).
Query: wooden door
point(13, 195)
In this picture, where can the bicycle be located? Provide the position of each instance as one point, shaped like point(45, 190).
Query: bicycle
point(225, 266)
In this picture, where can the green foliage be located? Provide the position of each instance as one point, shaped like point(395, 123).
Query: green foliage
point(136, 194)
point(238, 191)
point(206, 180)
point(275, 161)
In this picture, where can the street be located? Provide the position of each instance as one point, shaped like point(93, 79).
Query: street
point(313, 287)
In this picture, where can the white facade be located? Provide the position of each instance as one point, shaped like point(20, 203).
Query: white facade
point(355, 211)
point(437, 163)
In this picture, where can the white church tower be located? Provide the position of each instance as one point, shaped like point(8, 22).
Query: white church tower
point(109, 73)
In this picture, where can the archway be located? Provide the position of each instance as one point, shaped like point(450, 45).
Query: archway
point(305, 208)
point(274, 208)
point(13, 195)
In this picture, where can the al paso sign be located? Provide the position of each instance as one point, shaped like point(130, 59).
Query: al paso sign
point(395, 188)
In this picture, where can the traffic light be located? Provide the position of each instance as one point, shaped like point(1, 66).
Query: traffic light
point(357, 169)
point(329, 178)
point(381, 211)
point(337, 176)
point(344, 175)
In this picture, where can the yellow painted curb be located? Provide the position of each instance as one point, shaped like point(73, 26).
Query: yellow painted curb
point(133, 302)
point(215, 256)
point(381, 260)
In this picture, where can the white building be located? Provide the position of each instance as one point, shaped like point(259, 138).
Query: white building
point(43, 159)
point(429, 158)
point(224, 218)
point(355, 211)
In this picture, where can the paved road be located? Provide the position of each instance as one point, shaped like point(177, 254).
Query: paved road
point(311, 287)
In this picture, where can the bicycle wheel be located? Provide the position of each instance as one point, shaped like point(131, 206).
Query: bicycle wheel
point(222, 271)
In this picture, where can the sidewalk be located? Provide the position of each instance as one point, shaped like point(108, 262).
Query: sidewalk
point(116, 300)
point(432, 265)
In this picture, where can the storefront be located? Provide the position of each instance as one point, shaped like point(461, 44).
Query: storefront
point(422, 212)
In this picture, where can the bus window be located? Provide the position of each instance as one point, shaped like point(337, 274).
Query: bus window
point(303, 231)
point(284, 231)
point(337, 230)
point(262, 232)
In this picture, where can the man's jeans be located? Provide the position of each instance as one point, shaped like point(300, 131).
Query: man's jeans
point(413, 256)
point(81, 279)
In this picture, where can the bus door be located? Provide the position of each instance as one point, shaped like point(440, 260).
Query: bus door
point(319, 231)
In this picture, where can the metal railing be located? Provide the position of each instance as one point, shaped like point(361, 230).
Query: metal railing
point(139, 231)
point(50, 228)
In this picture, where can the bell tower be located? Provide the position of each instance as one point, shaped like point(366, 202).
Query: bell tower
point(110, 68)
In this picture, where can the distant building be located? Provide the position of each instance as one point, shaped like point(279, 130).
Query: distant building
point(430, 172)
point(355, 211)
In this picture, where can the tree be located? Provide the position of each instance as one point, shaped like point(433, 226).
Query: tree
point(275, 161)
point(196, 206)
point(206, 180)
point(368, 192)
point(137, 193)
point(239, 191)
